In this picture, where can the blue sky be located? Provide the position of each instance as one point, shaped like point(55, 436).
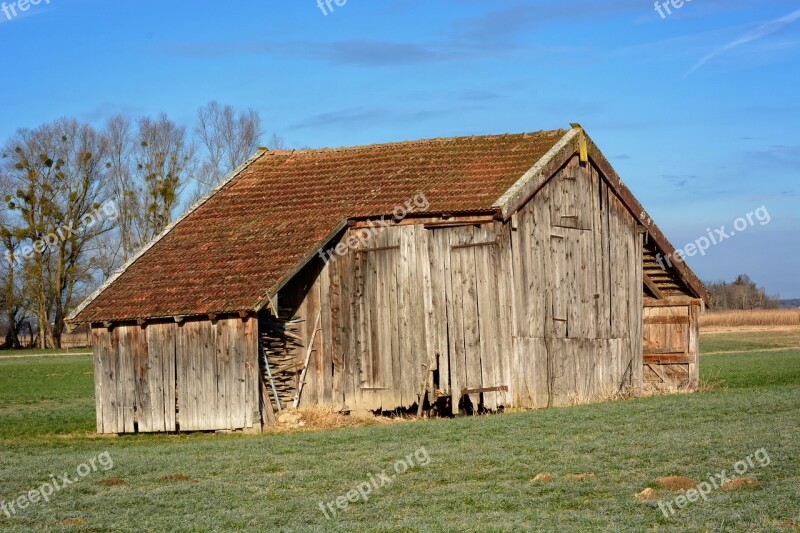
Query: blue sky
point(697, 111)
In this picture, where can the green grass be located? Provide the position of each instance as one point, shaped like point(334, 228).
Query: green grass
point(478, 478)
point(49, 351)
point(749, 340)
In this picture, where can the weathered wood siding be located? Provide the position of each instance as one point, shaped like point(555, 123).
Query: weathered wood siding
point(544, 310)
point(671, 343)
point(197, 375)
point(577, 259)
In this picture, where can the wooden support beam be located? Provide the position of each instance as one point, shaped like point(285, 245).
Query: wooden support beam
point(667, 320)
point(454, 223)
point(653, 287)
point(476, 244)
point(267, 412)
point(671, 301)
point(668, 359)
point(308, 358)
point(657, 371)
point(501, 388)
point(379, 249)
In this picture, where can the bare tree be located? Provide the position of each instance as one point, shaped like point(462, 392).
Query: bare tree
point(742, 294)
point(229, 139)
point(124, 187)
point(164, 162)
point(276, 142)
point(13, 304)
point(57, 175)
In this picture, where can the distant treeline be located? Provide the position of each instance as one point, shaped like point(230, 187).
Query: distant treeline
point(791, 304)
point(743, 294)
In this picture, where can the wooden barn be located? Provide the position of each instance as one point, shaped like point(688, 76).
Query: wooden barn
point(474, 273)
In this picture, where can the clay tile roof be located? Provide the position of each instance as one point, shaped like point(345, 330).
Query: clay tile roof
point(228, 253)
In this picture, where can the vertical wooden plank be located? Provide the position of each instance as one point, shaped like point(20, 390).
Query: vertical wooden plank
point(243, 388)
point(168, 343)
point(127, 377)
point(503, 264)
point(395, 329)
point(223, 377)
point(455, 315)
point(433, 350)
point(439, 261)
point(101, 348)
point(489, 327)
point(339, 325)
point(471, 316)
point(325, 340)
point(251, 374)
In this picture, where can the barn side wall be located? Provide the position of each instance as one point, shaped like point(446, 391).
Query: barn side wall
point(543, 310)
point(194, 376)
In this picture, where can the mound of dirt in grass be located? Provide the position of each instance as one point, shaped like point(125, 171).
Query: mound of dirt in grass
point(543, 477)
point(648, 494)
point(740, 483)
point(579, 477)
point(676, 483)
point(175, 478)
point(111, 482)
point(77, 521)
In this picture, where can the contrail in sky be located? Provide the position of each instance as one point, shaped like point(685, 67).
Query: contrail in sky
point(761, 31)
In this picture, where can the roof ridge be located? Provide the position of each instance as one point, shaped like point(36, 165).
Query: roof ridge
point(428, 140)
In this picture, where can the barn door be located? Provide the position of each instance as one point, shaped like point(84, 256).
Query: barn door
point(379, 372)
point(478, 315)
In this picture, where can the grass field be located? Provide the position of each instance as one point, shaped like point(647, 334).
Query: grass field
point(479, 473)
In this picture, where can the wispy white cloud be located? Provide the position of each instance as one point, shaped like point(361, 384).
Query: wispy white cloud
point(753, 35)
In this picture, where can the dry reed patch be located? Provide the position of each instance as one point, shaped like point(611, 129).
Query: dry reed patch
point(175, 478)
point(648, 494)
point(740, 483)
point(676, 483)
point(580, 477)
point(543, 477)
point(755, 317)
point(112, 482)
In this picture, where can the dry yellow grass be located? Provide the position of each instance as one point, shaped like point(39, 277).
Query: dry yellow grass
point(756, 317)
point(676, 483)
point(325, 418)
